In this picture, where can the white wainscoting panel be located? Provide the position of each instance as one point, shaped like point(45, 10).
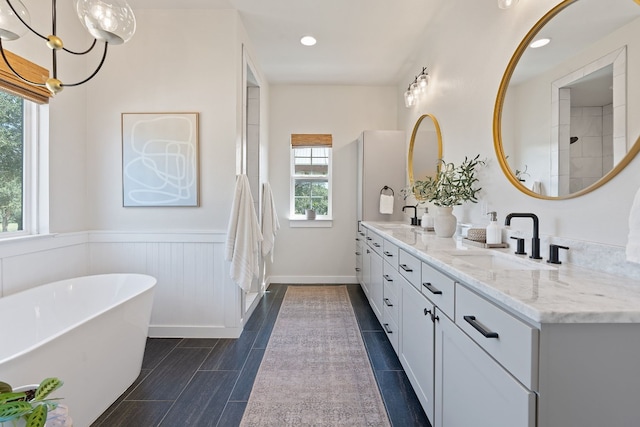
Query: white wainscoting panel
point(194, 297)
point(33, 261)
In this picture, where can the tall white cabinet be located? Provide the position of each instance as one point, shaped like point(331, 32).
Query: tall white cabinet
point(382, 161)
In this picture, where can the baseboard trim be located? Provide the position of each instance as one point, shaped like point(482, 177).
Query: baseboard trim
point(310, 280)
point(157, 331)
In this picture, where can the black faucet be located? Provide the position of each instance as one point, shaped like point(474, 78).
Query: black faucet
point(535, 241)
point(414, 220)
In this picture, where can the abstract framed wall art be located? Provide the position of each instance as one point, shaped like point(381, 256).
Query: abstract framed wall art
point(160, 159)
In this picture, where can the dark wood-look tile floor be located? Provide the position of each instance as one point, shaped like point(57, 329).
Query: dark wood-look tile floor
point(207, 382)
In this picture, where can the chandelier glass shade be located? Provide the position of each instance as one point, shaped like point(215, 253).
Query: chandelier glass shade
point(108, 21)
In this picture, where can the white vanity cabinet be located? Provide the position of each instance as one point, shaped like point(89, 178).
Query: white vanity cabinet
point(360, 246)
point(372, 272)
point(417, 344)
point(471, 388)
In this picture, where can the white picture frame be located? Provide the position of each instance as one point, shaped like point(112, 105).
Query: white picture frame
point(160, 159)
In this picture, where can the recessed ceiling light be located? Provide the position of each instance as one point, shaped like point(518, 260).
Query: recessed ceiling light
point(539, 43)
point(308, 40)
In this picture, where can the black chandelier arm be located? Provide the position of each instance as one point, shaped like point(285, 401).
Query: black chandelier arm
point(95, 41)
point(13, 70)
point(104, 56)
point(24, 23)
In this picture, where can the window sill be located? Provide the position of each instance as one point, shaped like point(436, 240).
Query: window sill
point(310, 223)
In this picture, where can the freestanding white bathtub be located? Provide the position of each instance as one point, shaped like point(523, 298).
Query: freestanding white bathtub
point(89, 331)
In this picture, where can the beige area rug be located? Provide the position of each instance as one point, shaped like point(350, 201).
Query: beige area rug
point(315, 370)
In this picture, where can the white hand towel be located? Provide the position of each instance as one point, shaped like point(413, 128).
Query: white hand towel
point(270, 224)
point(537, 187)
point(633, 242)
point(243, 236)
point(386, 204)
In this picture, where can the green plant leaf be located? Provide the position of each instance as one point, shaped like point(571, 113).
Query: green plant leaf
point(38, 417)
point(46, 387)
point(9, 397)
point(13, 410)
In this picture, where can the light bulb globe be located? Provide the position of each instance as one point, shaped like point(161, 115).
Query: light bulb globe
point(111, 21)
point(10, 26)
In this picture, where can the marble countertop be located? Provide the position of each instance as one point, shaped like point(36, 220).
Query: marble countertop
point(539, 292)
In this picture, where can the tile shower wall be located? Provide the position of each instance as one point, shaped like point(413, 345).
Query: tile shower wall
point(591, 155)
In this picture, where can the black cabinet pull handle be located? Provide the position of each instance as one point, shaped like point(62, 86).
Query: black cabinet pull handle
point(432, 288)
point(368, 251)
point(405, 268)
point(480, 327)
point(427, 312)
point(387, 302)
point(369, 238)
point(358, 253)
point(377, 245)
point(387, 253)
point(357, 269)
point(361, 233)
point(387, 328)
point(387, 278)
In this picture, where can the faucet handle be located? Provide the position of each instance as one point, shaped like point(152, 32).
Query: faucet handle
point(553, 253)
point(520, 246)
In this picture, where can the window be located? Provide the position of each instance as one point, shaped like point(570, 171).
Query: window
point(19, 160)
point(311, 175)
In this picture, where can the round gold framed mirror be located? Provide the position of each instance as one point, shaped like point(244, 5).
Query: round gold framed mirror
point(562, 122)
point(425, 148)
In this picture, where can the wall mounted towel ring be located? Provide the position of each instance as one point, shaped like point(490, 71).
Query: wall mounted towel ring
point(387, 188)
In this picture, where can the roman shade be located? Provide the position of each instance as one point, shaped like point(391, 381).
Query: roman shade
point(311, 140)
point(13, 84)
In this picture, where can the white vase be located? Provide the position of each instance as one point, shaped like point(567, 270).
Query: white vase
point(445, 222)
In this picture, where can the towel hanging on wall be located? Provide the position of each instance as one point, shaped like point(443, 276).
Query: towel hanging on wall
point(243, 236)
point(386, 200)
point(270, 224)
point(633, 242)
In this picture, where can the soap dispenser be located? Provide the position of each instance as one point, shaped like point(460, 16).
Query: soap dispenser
point(494, 233)
point(427, 220)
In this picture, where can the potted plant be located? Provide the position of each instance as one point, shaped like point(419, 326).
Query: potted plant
point(27, 406)
point(452, 186)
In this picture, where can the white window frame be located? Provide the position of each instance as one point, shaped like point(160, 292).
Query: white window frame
point(297, 220)
point(35, 170)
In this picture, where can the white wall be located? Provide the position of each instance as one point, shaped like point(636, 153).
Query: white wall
point(467, 53)
point(315, 255)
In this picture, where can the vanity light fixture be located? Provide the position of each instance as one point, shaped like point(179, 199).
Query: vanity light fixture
point(110, 21)
point(539, 43)
point(409, 99)
point(423, 79)
point(416, 88)
point(308, 40)
point(506, 4)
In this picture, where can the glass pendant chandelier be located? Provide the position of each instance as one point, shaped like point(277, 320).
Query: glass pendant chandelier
point(110, 21)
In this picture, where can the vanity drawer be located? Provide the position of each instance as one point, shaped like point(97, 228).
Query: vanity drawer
point(409, 267)
point(513, 343)
point(391, 282)
point(390, 253)
point(439, 289)
point(375, 241)
point(390, 327)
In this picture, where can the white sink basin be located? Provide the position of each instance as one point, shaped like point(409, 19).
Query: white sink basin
point(497, 261)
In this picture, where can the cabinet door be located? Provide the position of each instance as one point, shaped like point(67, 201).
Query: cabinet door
point(472, 389)
point(416, 344)
point(376, 294)
point(359, 258)
point(366, 269)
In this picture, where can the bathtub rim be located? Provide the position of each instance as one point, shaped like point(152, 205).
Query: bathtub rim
point(149, 287)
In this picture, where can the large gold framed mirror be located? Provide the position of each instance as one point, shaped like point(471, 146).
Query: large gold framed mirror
point(425, 149)
point(563, 122)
